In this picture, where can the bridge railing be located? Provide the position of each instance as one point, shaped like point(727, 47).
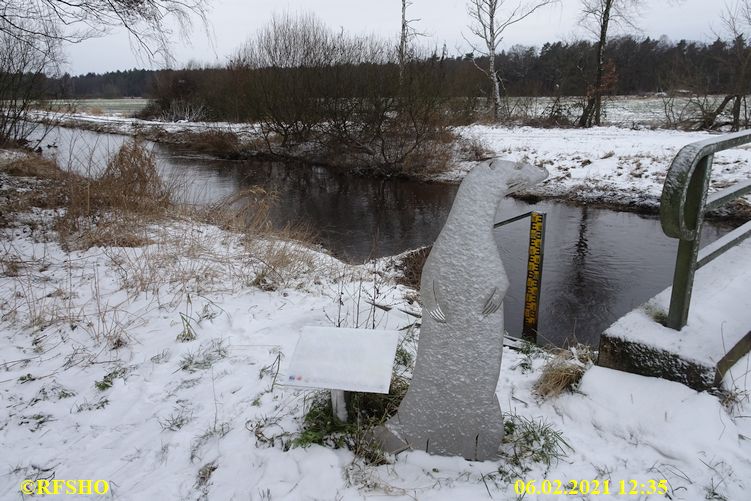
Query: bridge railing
point(682, 208)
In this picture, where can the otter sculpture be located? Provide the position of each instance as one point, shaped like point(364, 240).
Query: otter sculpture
point(451, 407)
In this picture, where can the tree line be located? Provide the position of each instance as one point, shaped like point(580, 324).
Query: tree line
point(638, 67)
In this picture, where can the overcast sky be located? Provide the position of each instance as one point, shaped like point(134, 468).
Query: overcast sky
point(443, 21)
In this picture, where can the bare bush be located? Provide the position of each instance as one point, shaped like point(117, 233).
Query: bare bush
point(246, 211)
point(181, 111)
point(325, 96)
point(699, 111)
point(222, 143)
point(690, 105)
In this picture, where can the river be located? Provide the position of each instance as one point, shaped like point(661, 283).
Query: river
point(599, 263)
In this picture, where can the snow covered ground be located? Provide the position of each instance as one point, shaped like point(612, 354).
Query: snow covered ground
point(611, 165)
point(128, 126)
point(603, 164)
point(159, 369)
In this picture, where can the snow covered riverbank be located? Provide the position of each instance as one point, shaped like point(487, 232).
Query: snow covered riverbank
point(608, 165)
point(619, 167)
point(158, 368)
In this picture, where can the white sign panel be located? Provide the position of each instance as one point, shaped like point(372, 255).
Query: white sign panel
point(343, 359)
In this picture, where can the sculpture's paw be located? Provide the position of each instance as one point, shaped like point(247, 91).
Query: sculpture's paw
point(437, 314)
point(493, 302)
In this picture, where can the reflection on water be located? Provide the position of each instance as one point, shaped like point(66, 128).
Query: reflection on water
point(599, 264)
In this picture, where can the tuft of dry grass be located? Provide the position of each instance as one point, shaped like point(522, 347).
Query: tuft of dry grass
point(131, 182)
point(246, 211)
point(109, 230)
point(33, 166)
point(410, 266)
point(111, 210)
point(274, 255)
point(564, 371)
point(221, 143)
point(30, 181)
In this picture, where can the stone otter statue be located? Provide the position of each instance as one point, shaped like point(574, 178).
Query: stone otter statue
point(451, 407)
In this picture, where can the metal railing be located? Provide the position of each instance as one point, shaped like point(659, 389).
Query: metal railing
point(682, 207)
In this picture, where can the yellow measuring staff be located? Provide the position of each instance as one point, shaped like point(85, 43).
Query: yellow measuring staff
point(534, 276)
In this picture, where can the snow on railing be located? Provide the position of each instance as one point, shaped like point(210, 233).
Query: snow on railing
point(682, 207)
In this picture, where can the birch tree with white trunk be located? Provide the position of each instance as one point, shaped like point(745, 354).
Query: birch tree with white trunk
point(407, 33)
point(489, 21)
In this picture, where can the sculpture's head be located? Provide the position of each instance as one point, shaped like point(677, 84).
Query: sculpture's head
point(508, 176)
point(518, 175)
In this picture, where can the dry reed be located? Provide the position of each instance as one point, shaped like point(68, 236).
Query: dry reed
point(564, 371)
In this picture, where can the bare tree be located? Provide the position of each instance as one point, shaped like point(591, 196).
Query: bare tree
point(407, 33)
point(32, 31)
point(329, 95)
point(736, 21)
point(598, 16)
point(148, 21)
point(488, 22)
point(24, 68)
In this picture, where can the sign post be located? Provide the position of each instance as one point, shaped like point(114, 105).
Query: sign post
point(343, 360)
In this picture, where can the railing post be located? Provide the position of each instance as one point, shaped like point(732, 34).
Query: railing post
point(683, 282)
point(688, 247)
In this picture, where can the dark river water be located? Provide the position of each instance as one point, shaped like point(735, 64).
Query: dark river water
point(599, 264)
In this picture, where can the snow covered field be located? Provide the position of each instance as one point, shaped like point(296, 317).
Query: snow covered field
point(158, 368)
point(619, 110)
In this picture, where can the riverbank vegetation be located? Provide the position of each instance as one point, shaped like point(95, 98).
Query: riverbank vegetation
point(329, 97)
point(129, 206)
